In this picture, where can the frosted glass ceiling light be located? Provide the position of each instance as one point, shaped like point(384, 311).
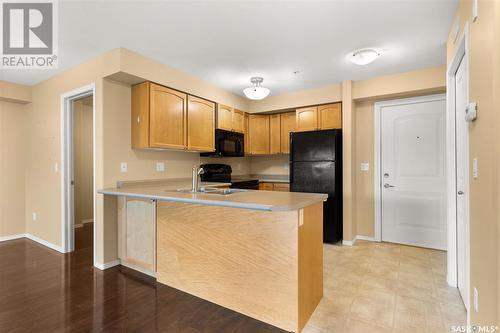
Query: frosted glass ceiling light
point(363, 57)
point(256, 92)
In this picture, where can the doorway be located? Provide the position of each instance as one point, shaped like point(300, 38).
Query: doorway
point(462, 176)
point(78, 169)
point(411, 171)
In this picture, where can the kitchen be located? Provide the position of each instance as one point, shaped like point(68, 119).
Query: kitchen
point(257, 201)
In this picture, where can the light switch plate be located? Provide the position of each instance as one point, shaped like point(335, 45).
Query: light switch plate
point(160, 166)
point(475, 171)
point(34, 216)
point(56, 167)
point(471, 112)
point(365, 167)
point(123, 167)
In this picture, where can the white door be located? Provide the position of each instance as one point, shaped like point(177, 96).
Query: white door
point(413, 172)
point(462, 174)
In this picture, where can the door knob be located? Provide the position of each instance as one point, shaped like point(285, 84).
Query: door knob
point(460, 192)
point(388, 185)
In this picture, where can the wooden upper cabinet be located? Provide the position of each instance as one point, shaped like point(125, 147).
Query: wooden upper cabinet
point(247, 136)
point(288, 125)
point(258, 134)
point(330, 116)
point(275, 134)
point(225, 117)
point(201, 124)
point(238, 121)
point(307, 119)
point(167, 118)
point(170, 119)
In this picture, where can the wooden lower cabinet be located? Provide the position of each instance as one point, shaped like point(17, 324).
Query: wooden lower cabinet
point(279, 187)
point(137, 234)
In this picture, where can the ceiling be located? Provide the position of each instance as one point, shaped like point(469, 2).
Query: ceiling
point(227, 42)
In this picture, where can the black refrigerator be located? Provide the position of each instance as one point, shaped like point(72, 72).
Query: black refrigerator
point(316, 167)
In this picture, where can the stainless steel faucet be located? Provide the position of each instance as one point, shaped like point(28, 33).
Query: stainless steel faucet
point(195, 180)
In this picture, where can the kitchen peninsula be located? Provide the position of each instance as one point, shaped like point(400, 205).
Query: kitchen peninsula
point(259, 253)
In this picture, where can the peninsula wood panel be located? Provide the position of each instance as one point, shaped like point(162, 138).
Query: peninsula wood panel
point(238, 121)
point(330, 116)
point(225, 117)
point(275, 133)
point(310, 260)
point(258, 126)
point(167, 122)
point(211, 252)
point(307, 118)
point(140, 115)
point(201, 124)
point(288, 125)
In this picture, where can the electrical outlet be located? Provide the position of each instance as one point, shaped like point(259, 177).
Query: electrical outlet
point(286, 166)
point(476, 300)
point(56, 167)
point(160, 166)
point(123, 167)
point(34, 216)
point(475, 171)
point(365, 167)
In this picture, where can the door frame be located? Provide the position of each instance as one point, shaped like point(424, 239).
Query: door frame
point(377, 181)
point(67, 167)
point(461, 52)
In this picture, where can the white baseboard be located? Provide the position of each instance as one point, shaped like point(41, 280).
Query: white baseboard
point(33, 238)
point(349, 242)
point(45, 243)
point(139, 269)
point(366, 238)
point(11, 237)
point(106, 265)
point(360, 237)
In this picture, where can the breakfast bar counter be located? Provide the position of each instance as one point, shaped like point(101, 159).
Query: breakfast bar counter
point(259, 253)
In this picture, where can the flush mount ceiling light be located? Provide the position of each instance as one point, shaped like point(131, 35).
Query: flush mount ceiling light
point(256, 92)
point(363, 57)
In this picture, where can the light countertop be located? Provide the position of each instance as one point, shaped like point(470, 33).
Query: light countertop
point(166, 190)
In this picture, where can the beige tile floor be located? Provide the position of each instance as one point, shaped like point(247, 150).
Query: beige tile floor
point(383, 287)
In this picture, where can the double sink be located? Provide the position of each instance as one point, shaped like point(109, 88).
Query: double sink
point(213, 190)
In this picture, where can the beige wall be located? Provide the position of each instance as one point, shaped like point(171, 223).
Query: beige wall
point(12, 92)
point(83, 159)
point(484, 144)
point(364, 186)
point(270, 165)
point(12, 165)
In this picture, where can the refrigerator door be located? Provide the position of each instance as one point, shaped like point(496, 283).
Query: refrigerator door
point(313, 145)
point(313, 177)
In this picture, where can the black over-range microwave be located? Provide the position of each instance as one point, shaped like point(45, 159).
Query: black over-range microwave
point(228, 144)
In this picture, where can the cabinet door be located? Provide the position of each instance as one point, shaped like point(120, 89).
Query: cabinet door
point(225, 117)
point(281, 187)
point(137, 233)
point(265, 186)
point(247, 136)
point(140, 115)
point(288, 125)
point(259, 134)
point(330, 116)
point(201, 124)
point(238, 121)
point(275, 134)
point(167, 118)
point(307, 119)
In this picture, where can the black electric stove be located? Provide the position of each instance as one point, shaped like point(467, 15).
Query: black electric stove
point(221, 173)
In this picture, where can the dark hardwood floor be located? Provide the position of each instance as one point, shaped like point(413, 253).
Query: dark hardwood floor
point(42, 290)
